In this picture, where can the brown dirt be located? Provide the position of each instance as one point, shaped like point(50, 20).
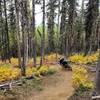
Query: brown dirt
point(56, 87)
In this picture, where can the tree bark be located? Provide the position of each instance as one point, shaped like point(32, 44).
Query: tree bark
point(98, 76)
point(98, 65)
point(51, 17)
point(18, 32)
point(25, 30)
point(63, 27)
point(71, 24)
point(43, 36)
point(90, 23)
point(33, 33)
point(7, 45)
point(1, 33)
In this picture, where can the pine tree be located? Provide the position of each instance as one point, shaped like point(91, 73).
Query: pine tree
point(1, 31)
point(91, 17)
point(63, 25)
point(33, 33)
point(16, 2)
point(43, 36)
point(7, 44)
point(25, 30)
point(12, 28)
point(51, 16)
point(71, 26)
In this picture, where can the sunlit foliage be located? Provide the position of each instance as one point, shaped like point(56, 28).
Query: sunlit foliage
point(81, 59)
point(81, 78)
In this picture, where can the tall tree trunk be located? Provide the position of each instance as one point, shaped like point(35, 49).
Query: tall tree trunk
point(71, 23)
point(7, 33)
point(12, 28)
point(58, 30)
point(98, 33)
point(98, 76)
point(51, 24)
point(63, 26)
point(18, 32)
point(33, 33)
point(98, 65)
point(43, 36)
point(25, 30)
point(90, 20)
point(82, 12)
point(82, 24)
point(1, 33)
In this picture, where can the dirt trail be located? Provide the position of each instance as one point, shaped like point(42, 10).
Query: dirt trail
point(56, 87)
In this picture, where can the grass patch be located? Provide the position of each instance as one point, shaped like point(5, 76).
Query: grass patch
point(21, 92)
point(51, 71)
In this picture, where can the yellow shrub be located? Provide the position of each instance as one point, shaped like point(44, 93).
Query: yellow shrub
point(52, 57)
point(81, 59)
point(78, 58)
point(37, 72)
point(30, 71)
point(9, 73)
point(93, 57)
point(43, 70)
point(14, 61)
point(34, 71)
point(80, 78)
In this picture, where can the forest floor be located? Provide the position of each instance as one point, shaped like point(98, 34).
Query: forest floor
point(56, 87)
point(51, 87)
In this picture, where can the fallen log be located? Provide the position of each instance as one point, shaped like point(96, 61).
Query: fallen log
point(95, 97)
point(8, 86)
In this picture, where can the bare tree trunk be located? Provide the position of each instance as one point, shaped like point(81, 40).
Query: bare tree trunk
point(82, 22)
point(18, 32)
point(63, 26)
point(7, 34)
point(51, 17)
point(58, 31)
point(66, 46)
point(90, 23)
point(43, 36)
point(1, 31)
point(98, 33)
point(71, 23)
point(33, 32)
point(25, 30)
point(98, 65)
point(98, 76)
point(82, 12)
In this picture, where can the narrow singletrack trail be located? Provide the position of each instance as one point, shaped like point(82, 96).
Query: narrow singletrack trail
point(56, 87)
